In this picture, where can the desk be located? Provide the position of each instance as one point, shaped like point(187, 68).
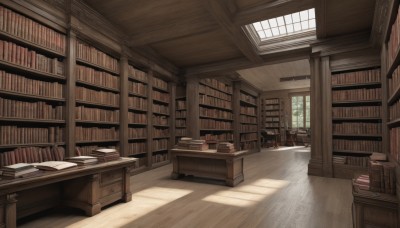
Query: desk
point(209, 164)
point(85, 187)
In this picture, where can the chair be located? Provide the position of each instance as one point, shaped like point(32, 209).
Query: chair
point(269, 136)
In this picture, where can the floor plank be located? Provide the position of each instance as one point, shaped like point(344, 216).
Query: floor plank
point(277, 192)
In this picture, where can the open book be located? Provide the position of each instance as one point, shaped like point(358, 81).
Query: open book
point(55, 165)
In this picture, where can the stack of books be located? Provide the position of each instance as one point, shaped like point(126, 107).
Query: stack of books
point(55, 165)
point(225, 147)
point(362, 182)
point(105, 155)
point(18, 169)
point(191, 144)
point(382, 177)
point(82, 160)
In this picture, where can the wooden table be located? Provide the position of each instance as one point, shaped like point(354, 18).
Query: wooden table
point(209, 164)
point(85, 187)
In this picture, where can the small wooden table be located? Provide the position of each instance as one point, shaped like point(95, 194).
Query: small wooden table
point(209, 164)
point(88, 188)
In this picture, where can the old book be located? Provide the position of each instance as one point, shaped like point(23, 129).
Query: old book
point(55, 165)
point(378, 156)
point(82, 160)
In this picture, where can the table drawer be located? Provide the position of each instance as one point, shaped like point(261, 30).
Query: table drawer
point(110, 177)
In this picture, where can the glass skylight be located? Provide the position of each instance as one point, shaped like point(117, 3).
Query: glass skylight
point(286, 25)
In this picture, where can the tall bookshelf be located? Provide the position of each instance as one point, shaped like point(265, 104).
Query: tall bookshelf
point(356, 120)
point(138, 91)
point(32, 77)
point(215, 111)
point(180, 113)
point(161, 131)
point(249, 130)
point(272, 114)
point(97, 99)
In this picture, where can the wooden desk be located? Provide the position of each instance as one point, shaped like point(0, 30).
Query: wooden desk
point(85, 187)
point(209, 164)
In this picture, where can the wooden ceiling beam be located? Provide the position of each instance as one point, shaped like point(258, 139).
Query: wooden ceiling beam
point(220, 10)
point(270, 9)
point(320, 15)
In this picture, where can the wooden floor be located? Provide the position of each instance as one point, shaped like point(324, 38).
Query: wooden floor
point(277, 192)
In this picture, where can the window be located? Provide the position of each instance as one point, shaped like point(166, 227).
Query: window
point(300, 111)
point(286, 25)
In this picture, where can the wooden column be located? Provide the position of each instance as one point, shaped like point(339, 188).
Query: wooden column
point(172, 108)
point(259, 119)
point(192, 103)
point(123, 108)
point(315, 164)
point(236, 114)
point(70, 94)
point(150, 131)
point(326, 105)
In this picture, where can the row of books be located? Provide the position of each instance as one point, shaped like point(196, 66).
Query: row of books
point(275, 119)
point(20, 84)
point(136, 148)
point(249, 136)
point(248, 145)
point(180, 123)
point(96, 114)
point(274, 113)
point(32, 155)
point(394, 81)
point(248, 98)
point(160, 120)
point(161, 96)
point(137, 87)
point(181, 113)
point(161, 109)
point(356, 94)
point(30, 110)
point(271, 101)
point(137, 103)
point(394, 39)
point(96, 77)
point(359, 111)
point(27, 29)
point(271, 107)
point(96, 133)
point(181, 132)
point(28, 135)
point(394, 111)
point(93, 55)
point(160, 144)
point(364, 76)
point(215, 113)
point(137, 133)
point(248, 110)
point(137, 74)
point(357, 145)
point(87, 150)
point(160, 132)
point(180, 104)
point(139, 118)
point(382, 177)
point(102, 97)
point(214, 83)
point(213, 101)
point(213, 92)
point(215, 124)
point(271, 124)
point(157, 158)
point(357, 128)
point(361, 161)
point(248, 119)
point(217, 137)
point(394, 143)
point(159, 83)
point(248, 128)
point(24, 57)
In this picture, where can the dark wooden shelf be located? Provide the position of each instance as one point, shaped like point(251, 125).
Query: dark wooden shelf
point(247, 123)
point(250, 140)
point(157, 125)
point(215, 118)
point(98, 141)
point(394, 96)
point(394, 123)
point(180, 98)
point(248, 132)
point(96, 122)
point(273, 116)
point(357, 135)
point(31, 72)
point(272, 121)
point(180, 126)
point(203, 83)
point(351, 152)
point(79, 82)
point(160, 89)
point(139, 153)
point(248, 103)
point(394, 64)
point(202, 129)
point(100, 105)
point(137, 80)
point(137, 95)
point(98, 67)
point(47, 121)
point(180, 118)
point(356, 119)
point(356, 85)
point(137, 139)
point(31, 145)
point(136, 109)
point(161, 137)
point(161, 114)
point(22, 95)
point(248, 115)
point(357, 102)
point(271, 127)
point(209, 95)
point(216, 107)
point(143, 124)
point(271, 110)
point(160, 101)
point(181, 109)
point(165, 149)
point(31, 45)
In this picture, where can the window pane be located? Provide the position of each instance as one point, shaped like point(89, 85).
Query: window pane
point(257, 26)
point(311, 13)
point(288, 19)
point(265, 24)
point(304, 15)
point(261, 34)
point(272, 22)
point(296, 17)
point(281, 21)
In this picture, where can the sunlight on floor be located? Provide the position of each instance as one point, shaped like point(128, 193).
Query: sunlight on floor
point(287, 148)
point(249, 194)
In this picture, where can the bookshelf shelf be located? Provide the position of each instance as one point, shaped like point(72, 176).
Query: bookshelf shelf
point(250, 140)
point(98, 141)
point(248, 115)
point(180, 126)
point(161, 137)
point(31, 72)
point(394, 123)
point(161, 102)
point(96, 122)
point(137, 109)
point(29, 44)
point(208, 95)
point(137, 139)
point(31, 145)
point(22, 120)
point(356, 85)
point(91, 85)
point(99, 105)
point(356, 135)
point(246, 132)
point(137, 95)
point(352, 119)
point(215, 118)
point(160, 114)
point(357, 102)
point(216, 129)
point(248, 123)
point(160, 150)
point(248, 103)
point(95, 66)
point(137, 80)
point(142, 124)
point(158, 125)
point(394, 96)
point(215, 107)
point(206, 84)
point(22, 95)
point(392, 66)
point(351, 152)
point(160, 89)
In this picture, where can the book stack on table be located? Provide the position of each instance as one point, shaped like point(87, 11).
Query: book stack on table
point(18, 169)
point(225, 147)
point(82, 160)
point(105, 155)
point(191, 144)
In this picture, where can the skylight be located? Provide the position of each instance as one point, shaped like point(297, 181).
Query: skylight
point(286, 25)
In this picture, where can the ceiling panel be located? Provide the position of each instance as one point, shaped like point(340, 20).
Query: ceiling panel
point(266, 78)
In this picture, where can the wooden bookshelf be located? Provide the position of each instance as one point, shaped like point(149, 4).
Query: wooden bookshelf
point(272, 115)
point(249, 134)
point(356, 120)
point(180, 112)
